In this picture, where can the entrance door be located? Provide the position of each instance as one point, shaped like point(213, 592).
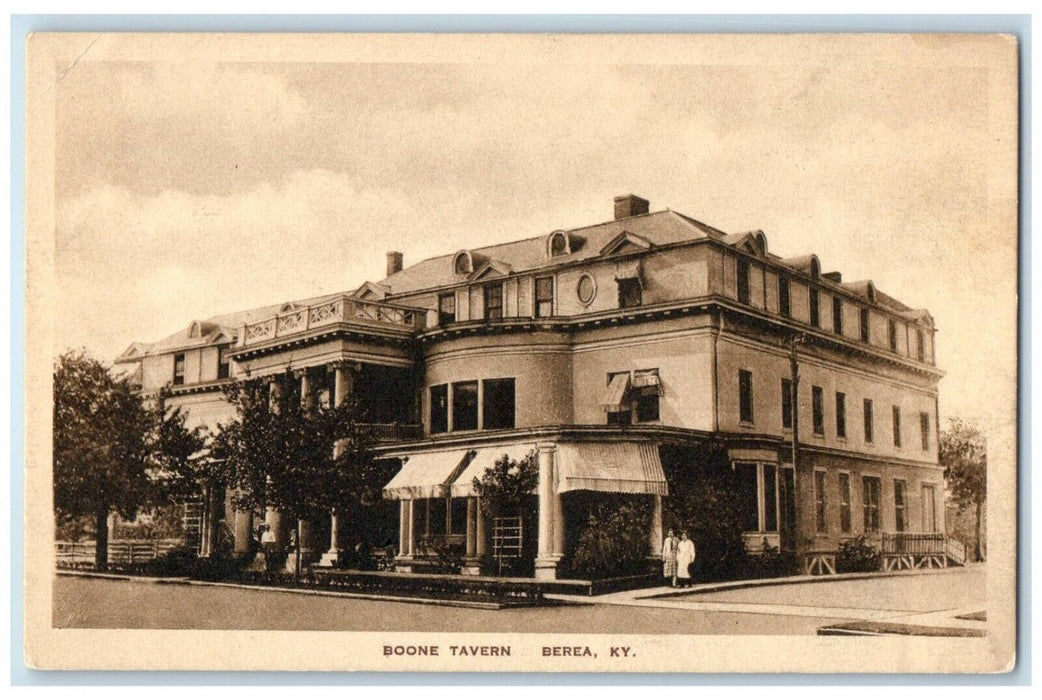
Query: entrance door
point(929, 509)
point(787, 501)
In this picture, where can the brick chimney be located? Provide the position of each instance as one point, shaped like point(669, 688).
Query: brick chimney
point(630, 205)
point(394, 262)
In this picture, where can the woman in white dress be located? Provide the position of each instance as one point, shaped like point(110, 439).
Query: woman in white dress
point(685, 558)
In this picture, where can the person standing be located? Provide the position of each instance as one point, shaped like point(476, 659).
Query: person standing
point(685, 558)
point(669, 557)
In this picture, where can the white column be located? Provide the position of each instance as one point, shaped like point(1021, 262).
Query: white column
point(243, 530)
point(341, 391)
point(472, 544)
point(481, 536)
point(403, 528)
point(412, 527)
point(546, 561)
point(655, 536)
point(558, 526)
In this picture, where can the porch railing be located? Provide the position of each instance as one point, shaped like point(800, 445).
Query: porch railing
point(915, 544)
point(342, 309)
point(956, 551)
point(393, 432)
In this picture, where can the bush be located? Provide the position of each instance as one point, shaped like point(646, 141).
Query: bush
point(771, 563)
point(857, 555)
point(613, 540)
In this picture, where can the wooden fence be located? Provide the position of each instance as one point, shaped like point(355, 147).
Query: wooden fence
point(80, 555)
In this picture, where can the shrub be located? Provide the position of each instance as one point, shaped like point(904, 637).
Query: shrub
point(771, 563)
point(613, 540)
point(857, 555)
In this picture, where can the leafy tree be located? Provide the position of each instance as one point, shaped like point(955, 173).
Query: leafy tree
point(504, 486)
point(279, 452)
point(102, 450)
point(964, 456)
point(180, 463)
point(613, 538)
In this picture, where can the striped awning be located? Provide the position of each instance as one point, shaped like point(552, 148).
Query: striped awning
point(628, 270)
point(614, 467)
point(615, 396)
point(463, 485)
point(425, 475)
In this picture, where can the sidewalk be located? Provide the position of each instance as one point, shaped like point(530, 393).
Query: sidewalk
point(892, 618)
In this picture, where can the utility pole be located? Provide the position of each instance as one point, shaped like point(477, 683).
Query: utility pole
point(795, 340)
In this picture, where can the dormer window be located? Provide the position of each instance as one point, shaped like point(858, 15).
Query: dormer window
point(463, 263)
point(558, 244)
point(194, 330)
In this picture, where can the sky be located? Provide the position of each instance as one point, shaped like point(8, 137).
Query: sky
point(189, 188)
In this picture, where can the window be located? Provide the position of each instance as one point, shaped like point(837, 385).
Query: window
point(446, 308)
point(624, 414)
point(646, 385)
point(224, 364)
point(900, 501)
point(743, 281)
point(630, 293)
point(440, 408)
point(770, 498)
point(494, 300)
point(786, 403)
point(924, 430)
point(815, 318)
point(897, 426)
point(865, 333)
point(498, 404)
point(745, 396)
point(868, 420)
point(458, 517)
point(844, 502)
point(558, 244)
point(837, 315)
point(585, 289)
point(870, 487)
point(929, 509)
point(820, 524)
point(544, 297)
point(748, 495)
point(465, 406)
point(179, 368)
point(841, 414)
point(783, 297)
point(920, 345)
point(891, 334)
point(818, 409)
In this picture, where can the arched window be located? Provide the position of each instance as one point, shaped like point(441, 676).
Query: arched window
point(815, 267)
point(558, 244)
point(462, 263)
point(194, 330)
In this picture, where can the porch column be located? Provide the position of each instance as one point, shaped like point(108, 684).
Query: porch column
point(273, 519)
point(481, 536)
point(558, 526)
point(655, 535)
point(243, 530)
point(472, 534)
point(403, 528)
point(341, 391)
point(411, 531)
point(546, 560)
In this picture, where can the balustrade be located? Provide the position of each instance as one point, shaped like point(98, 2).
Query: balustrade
point(338, 310)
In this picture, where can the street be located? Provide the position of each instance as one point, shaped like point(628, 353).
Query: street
point(785, 609)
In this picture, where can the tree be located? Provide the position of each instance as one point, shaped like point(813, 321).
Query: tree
point(504, 486)
point(279, 452)
point(102, 451)
point(964, 456)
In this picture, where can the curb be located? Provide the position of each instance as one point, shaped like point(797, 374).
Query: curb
point(301, 591)
point(789, 580)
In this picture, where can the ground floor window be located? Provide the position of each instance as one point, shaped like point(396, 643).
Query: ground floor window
point(900, 505)
point(844, 502)
point(820, 523)
point(929, 508)
point(870, 490)
point(757, 496)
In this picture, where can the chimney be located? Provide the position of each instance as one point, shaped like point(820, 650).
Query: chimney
point(630, 205)
point(394, 262)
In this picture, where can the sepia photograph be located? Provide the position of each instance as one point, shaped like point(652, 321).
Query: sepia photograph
point(518, 352)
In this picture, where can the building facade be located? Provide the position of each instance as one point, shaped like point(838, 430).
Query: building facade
point(601, 351)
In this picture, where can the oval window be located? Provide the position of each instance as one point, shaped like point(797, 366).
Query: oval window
point(586, 289)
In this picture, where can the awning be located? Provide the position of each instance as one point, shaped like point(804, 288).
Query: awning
point(614, 467)
point(628, 270)
point(615, 396)
point(425, 475)
point(486, 457)
point(646, 379)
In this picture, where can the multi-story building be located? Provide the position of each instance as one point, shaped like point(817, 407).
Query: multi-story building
point(605, 350)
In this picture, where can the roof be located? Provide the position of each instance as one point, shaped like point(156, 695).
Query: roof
point(658, 228)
